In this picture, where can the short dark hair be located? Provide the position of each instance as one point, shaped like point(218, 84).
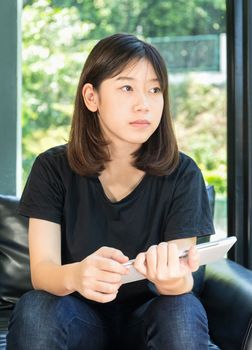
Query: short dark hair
point(87, 149)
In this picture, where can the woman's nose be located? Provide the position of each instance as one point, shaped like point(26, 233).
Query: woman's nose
point(142, 104)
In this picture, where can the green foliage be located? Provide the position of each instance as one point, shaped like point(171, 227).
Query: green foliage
point(53, 55)
point(151, 18)
point(55, 48)
point(218, 178)
point(200, 124)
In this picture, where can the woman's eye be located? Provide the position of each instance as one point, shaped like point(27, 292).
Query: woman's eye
point(155, 90)
point(127, 88)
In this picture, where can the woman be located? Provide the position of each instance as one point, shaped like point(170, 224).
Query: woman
point(119, 189)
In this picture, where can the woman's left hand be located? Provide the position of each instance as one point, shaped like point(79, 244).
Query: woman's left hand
point(162, 266)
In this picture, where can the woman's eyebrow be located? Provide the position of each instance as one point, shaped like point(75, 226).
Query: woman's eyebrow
point(131, 78)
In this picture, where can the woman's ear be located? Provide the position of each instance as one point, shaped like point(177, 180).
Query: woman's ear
point(90, 97)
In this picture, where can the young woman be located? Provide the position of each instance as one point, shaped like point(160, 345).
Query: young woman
point(119, 189)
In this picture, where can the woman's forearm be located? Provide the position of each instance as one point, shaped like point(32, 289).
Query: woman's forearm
point(54, 278)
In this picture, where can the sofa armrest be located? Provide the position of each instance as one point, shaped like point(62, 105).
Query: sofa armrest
point(227, 298)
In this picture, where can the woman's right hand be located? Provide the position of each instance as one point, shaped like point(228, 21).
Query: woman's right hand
point(98, 276)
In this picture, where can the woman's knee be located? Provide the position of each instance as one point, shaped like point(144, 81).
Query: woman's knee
point(42, 320)
point(33, 315)
point(173, 319)
point(179, 307)
point(33, 305)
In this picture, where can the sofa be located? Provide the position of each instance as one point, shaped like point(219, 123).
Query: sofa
point(224, 287)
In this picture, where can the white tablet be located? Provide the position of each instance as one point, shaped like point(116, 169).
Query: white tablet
point(208, 252)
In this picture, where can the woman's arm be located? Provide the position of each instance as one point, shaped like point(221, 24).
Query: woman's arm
point(162, 266)
point(45, 258)
point(97, 277)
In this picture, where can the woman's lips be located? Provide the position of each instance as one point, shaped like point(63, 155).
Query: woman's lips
point(140, 123)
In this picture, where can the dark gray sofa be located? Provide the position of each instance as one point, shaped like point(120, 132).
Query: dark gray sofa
point(225, 287)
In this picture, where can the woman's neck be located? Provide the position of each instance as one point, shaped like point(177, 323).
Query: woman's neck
point(121, 172)
point(120, 177)
point(121, 161)
point(118, 182)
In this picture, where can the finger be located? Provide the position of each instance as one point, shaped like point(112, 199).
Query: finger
point(140, 263)
point(109, 277)
point(112, 253)
point(173, 258)
point(162, 257)
point(193, 259)
point(110, 265)
point(151, 261)
point(104, 287)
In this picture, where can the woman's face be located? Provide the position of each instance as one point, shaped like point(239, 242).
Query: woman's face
point(130, 105)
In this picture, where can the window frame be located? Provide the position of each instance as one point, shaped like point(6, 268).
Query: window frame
point(239, 128)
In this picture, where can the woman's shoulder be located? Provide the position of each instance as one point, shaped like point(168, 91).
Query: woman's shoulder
point(187, 171)
point(186, 165)
point(54, 158)
point(186, 161)
point(55, 152)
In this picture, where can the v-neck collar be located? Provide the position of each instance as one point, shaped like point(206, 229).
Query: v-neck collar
point(126, 198)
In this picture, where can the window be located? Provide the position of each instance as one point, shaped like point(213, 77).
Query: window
point(57, 36)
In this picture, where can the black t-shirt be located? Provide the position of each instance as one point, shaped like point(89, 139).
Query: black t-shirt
point(160, 208)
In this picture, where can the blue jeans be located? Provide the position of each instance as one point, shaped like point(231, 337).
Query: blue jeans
point(41, 321)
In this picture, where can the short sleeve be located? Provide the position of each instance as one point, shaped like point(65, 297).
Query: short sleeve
point(43, 195)
point(189, 214)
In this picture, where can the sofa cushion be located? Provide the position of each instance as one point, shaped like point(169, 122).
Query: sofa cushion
point(227, 298)
point(14, 258)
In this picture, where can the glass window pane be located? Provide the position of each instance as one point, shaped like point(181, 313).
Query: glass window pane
point(190, 34)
